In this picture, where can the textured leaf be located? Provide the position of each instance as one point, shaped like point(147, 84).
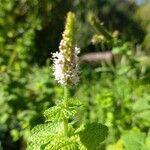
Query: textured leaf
point(42, 134)
point(63, 143)
point(33, 146)
point(46, 137)
point(74, 102)
point(93, 134)
point(58, 113)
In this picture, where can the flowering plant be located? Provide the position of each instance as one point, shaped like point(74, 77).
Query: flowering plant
point(58, 132)
point(66, 61)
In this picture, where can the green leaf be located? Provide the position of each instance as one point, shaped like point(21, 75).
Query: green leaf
point(33, 146)
point(58, 113)
point(145, 116)
point(42, 134)
point(74, 103)
point(92, 135)
point(141, 109)
point(134, 141)
point(51, 137)
point(142, 104)
point(63, 143)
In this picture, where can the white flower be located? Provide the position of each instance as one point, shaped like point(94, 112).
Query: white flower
point(66, 70)
point(66, 61)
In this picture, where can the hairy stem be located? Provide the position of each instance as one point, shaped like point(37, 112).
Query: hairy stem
point(65, 121)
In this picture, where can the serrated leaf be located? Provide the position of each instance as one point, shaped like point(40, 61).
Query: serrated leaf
point(58, 113)
point(63, 143)
point(46, 129)
point(33, 146)
point(74, 102)
point(93, 134)
point(42, 134)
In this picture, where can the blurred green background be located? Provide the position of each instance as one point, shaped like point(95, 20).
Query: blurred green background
point(119, 92)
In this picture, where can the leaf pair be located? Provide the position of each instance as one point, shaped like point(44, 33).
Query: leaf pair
point(60, 111)
point(50, 136)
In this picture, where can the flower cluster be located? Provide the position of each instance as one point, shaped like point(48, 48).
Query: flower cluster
point(66, 61)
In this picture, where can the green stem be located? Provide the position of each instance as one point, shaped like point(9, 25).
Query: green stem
point(65, 121)
point(65, 96)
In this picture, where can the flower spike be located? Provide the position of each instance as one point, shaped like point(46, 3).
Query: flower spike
point(66, 60)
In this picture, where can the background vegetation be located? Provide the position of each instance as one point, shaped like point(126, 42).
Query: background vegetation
point(115, 93)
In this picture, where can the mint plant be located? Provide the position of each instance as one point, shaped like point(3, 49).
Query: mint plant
point(59, 132)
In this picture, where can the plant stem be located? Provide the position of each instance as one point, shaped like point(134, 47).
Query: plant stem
point(65, 96)
point(65, 121)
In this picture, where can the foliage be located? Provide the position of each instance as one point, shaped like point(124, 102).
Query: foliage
point(33, 28)
point(51, 135)
point(131, 140)
point(22, 101)
point(143, 16)
point(95, 132)
point(116, 94)
point(117, 15)
point(121, 97)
